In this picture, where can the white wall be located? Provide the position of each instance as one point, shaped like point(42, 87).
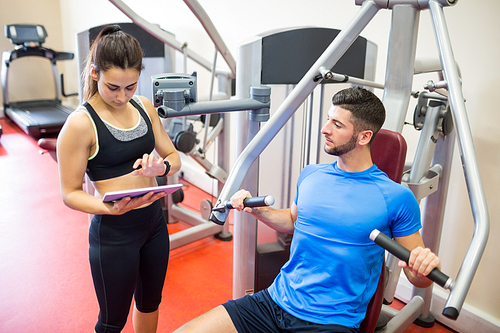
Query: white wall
point(474, 35)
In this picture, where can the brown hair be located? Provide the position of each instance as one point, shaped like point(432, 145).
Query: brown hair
point(367, 111)
point(111, 48)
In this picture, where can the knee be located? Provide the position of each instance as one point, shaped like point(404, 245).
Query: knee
point(109, 328)
point(147, 306)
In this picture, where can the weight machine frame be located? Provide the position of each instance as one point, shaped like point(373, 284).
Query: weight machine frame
point(430, 172)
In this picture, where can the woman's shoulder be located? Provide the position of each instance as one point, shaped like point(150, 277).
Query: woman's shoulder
point(80, 116)
point(146, 105)
point(142, 100)
point(79, 122)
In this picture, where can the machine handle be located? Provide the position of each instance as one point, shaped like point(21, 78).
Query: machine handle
point(254, 202)
point(220, 212)
point(404, 254)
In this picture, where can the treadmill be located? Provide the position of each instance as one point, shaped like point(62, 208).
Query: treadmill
point(39, 118)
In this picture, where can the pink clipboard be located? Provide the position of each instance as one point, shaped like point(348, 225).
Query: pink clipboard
point(117, 195)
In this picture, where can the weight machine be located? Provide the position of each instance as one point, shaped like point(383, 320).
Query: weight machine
point(440, 116)
point(441, 108)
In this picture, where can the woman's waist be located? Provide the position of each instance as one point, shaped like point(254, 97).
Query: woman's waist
point(122, 183)
point(138, 217)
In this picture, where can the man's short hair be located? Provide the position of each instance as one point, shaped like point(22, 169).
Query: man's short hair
point(367, 111)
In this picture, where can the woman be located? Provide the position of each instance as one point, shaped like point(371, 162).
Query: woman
point(111, 137)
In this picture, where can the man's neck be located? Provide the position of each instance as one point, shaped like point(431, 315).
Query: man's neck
point(355, 161)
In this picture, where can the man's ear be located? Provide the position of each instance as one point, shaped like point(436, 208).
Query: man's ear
point(365, 137)
point(93, 73)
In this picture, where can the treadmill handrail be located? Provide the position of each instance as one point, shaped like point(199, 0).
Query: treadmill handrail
point(38, 51)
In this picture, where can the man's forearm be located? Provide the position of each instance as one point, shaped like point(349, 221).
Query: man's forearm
point(279, 219)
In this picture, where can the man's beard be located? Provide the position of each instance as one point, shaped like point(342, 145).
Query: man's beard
point(343, 149)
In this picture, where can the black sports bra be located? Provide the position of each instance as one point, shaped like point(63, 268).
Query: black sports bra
point(116, 157)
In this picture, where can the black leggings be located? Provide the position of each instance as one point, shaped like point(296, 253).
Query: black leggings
point(128, 257)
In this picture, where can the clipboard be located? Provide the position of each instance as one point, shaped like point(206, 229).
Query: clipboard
point(137, 192)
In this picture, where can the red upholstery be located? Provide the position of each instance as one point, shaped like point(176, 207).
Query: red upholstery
point(50, 145)
point(369, 324)
point(388, 154)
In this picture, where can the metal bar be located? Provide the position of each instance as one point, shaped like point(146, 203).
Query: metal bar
point(245, 225)
point(320, 124)
point(406, 316)
point(420, 4)
point(309, 118)
point(4, 77)
point(205, 21)
point(212, 107)
point(354, 80)
point(435, 205)
point(57, 82)
point(400, 64)
point(426, 145)
point(200, 228)
point(471, 171)
point(210, 95)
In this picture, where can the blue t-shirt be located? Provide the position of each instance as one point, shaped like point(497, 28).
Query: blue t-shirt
point(334, 267)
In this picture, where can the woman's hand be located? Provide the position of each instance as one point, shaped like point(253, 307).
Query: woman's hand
point(149, 166)
point(126, 204)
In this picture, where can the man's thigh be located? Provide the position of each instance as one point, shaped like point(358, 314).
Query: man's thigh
point(259, 313)
point(213, 321)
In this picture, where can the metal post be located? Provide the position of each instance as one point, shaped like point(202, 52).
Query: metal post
point(400, 63)
point(471, 170)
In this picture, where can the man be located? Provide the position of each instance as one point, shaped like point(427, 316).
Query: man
point(334, 267)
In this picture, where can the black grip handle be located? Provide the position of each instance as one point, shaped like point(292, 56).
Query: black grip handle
point(404, 254)
point(254, 202)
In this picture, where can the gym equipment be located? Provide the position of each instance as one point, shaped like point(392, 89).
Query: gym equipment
point(252, 202)
point(404, 254)
point(41, 117)
point(430, 172)
point(175, 95)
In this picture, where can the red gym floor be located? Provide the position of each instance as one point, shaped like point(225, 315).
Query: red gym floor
point(45, 277)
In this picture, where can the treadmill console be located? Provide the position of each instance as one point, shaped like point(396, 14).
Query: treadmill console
point(25, 34)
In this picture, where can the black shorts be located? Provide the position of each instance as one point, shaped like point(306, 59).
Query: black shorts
point(259, 313)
